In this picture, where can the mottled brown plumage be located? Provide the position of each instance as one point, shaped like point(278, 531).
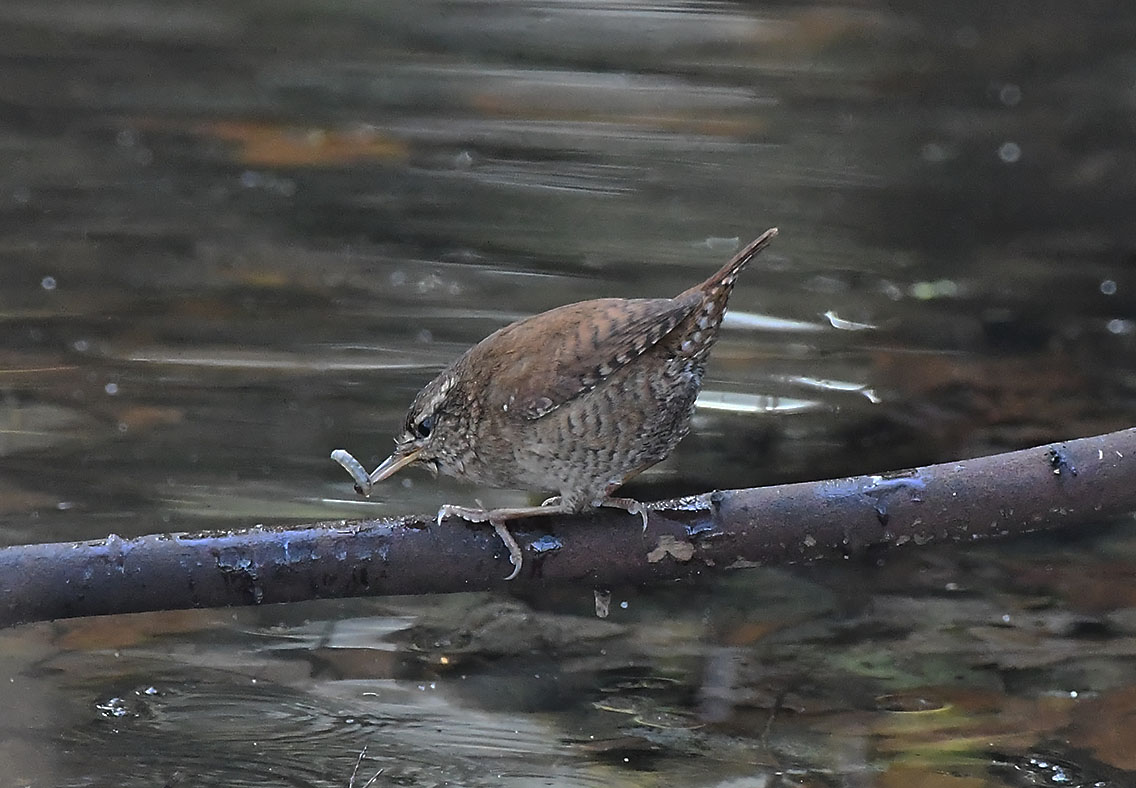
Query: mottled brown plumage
point(578, 399)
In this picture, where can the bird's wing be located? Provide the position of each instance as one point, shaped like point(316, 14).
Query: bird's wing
point(568, 351)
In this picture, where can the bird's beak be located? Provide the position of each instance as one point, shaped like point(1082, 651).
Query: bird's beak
point(392, 465)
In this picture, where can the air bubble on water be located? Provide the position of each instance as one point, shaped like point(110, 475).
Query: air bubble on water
point(1010, 152)
point(1010, 95)
point(933, 152)
point(940, 288)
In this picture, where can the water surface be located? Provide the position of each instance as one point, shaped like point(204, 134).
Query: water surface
point(238, 235)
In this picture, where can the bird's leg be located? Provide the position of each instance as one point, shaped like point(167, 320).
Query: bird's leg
point(497, 518)
point(554, 505)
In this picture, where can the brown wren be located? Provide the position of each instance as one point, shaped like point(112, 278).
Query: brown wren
point(577, 399)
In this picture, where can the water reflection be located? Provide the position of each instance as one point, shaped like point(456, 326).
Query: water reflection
point(239, 235)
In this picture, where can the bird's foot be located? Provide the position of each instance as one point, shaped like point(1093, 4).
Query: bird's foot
point(629, 505)
point(497, 519)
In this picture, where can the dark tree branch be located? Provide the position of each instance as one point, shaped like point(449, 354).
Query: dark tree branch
point(1059, 485)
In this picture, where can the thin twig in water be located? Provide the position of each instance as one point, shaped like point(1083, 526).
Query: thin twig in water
point(772, 716)
point(355, 771)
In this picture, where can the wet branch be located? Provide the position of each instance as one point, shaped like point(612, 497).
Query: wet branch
point(1061, 485)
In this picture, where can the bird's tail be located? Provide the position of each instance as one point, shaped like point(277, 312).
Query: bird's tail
point(708, 302)
point(726, 276)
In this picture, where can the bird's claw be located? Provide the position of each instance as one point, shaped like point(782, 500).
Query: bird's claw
point(466, 513)
point(516, 558)
point(629, 505)
point(640, 510)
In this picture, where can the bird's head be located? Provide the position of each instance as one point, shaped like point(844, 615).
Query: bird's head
point(432, 435)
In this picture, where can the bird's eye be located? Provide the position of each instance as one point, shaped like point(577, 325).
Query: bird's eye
point(424, 427)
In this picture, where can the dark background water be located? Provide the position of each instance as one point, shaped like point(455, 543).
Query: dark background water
point(234, 236)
